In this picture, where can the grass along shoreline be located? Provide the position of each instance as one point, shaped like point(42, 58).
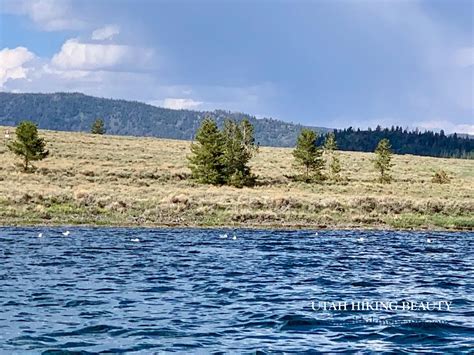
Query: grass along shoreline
point(144, 182)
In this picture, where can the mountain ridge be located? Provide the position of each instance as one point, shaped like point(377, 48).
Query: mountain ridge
point(77, 111)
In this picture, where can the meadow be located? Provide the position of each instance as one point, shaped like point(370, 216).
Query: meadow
point(135, 181)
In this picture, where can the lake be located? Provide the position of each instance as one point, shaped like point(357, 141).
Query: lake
point(206, 291)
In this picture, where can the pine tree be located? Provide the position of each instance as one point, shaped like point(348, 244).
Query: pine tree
point(335, 167)
point(98, 127)
point(28, 144)
point(382, 161)
point(330, 143)
point(239, 148)
point(206, 162)
point(330, 146)
point(308, 156)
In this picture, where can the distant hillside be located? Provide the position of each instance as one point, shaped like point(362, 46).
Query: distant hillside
point(76, 112)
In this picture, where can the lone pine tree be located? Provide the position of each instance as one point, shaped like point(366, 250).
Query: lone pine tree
point(382, 161)
point(308, 156)
point(28, 144)
point(98, 127)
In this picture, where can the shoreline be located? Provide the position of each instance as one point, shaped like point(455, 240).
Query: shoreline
point(269, 227)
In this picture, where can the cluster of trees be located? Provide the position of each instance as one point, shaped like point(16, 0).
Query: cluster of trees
point(406, 142)
point(222, 156)
point(313, 160)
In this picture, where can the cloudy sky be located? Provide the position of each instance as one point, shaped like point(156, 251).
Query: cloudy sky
point(325, 63)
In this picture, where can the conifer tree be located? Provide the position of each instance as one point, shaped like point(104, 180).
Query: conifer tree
point(330, 146)
point(382, 161)
point(330, 143)
point(206, 162)
point(98, 127)
point(308, 156)
point(239, 148)
point(28, 144)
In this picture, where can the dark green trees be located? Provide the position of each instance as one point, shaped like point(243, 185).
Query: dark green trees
point(28, 144)
point(221, 157)
point(207, 159)
point(382, 161)
point(239, 148)
point(330, 146)
point(404, 141)
point(98, 127)
point(308, 155)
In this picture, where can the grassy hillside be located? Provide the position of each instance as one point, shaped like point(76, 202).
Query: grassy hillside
point(113, 180)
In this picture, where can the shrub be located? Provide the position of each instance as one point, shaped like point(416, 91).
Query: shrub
point(441, 177)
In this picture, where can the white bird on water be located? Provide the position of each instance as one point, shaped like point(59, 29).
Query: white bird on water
point(136, 240)
point(428, 240)
point(66, 233)
point(234, 237)
point(40, 235)
point(361, 239)
point(223, 236)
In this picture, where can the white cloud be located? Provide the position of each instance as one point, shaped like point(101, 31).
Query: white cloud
point(49, 15)
point(12, 63)
point(447, 126)
point(75, 55)
point(105, 33)
point(180, 104)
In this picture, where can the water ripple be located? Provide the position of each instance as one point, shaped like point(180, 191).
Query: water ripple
point(187, 290)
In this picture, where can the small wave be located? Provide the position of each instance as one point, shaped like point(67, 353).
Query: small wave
point(93, 329)
point(158, 289)
point(77, 303)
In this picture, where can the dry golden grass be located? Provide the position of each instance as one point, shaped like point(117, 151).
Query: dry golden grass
point(115, 180)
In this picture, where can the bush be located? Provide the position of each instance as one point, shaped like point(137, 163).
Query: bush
point(441, 177)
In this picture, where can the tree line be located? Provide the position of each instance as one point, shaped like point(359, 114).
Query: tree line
point(403, 141)
point(222, 156)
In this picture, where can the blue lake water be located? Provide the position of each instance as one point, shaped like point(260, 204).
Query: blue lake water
point(194, 291)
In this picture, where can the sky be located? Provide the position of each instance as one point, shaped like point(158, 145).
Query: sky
point(330, 63)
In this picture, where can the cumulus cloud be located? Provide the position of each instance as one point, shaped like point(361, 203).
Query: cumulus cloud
point(12, 64)
point(105, 33)
point(181, 104)
point(49, 15)
point(75, 55)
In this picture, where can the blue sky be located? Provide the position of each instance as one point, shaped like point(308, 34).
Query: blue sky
point(325, 63)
